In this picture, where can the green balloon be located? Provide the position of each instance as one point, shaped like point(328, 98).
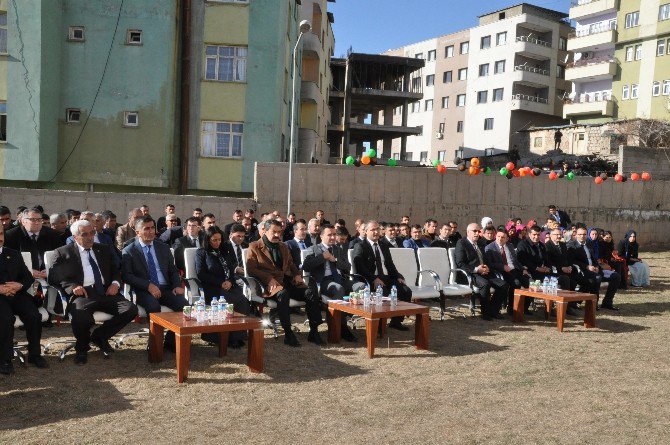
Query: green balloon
point(372, 153)
point(504, 171)
point(436, 163)
point(392, 162)
point(487, 172)
point(570, 176)
point(350, 160)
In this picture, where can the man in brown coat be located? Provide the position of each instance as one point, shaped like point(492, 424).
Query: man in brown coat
point(269, 261)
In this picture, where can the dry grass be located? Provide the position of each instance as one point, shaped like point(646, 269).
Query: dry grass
point(481, 382)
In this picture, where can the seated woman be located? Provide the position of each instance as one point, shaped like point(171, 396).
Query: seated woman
point(216, 274)
point(610, 260)
point(628, 250)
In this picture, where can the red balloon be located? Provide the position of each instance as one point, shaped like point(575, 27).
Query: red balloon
point(553, 176)
point(515, 173)
point(441, 169)
point(510, 166)
point(634, 176)
point(646, 176)
point(618, 177)
point(599, 180)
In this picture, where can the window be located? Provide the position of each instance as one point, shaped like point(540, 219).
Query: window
point(418, 56)
point(396, 156)
point(632, 19)
point(499, 67)
point(460, 100)
point(482, 97)
point(222, 139)
point(656, 88)
point(447, 77)
point(562, 43)
point(498, 94)
point(485, 42)
point(408, 156)
point(660, 47)
point(3, 121)
point(629, 53)
point(560, 71)
point(75, 33)
point(488, 123)
point(428, 105)
point(449, 51)
point(501, 38)
point(638, 52)
point(463, 74)
point(667, 45)
point(416, 84)
point(431, 55)
point(131, 119)
point(666, 87)
point(441, 155)
point(72, 115)
point(416, 107)
point(441, 128)
point(226, 63)
point(465, 47)
point(633, 91)
point(3, 33)
point(459, 127)
point(664, 12)
point(483, 69)
point(430, 80)
point(134, 37)
point(537, 142)
point(445, 102)
point(625, 92)
point(423, 157)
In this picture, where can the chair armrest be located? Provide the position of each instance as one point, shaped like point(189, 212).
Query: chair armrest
point(351, 277)
point(465, 274)
point(255, 287)
point(435, 276)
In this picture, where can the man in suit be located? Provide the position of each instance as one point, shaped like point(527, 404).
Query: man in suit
point(6, 218)
point(313, 232)
point(328, 266)
point(172, 232)
point(361, 235)
point(161, 224)
point(32, 237)
point(15, 280)
point(99, 236)
point(208, 220)
point(454, 234)
point(533, 256)
point(442, 239)
point(269, 261)
point(557, 259)
point(373, 261)
point(501, 259)
point(127, 231)
point(299, 242)
point(590, 274)
point(559, 216)
point(109, 224)
point(87, 272)
point(469, 256)
point(389, 239)
point(321, 218)
point(193, 238)
point(148, 267)
point(237, 219)
point(416, 239)
point(232, 248)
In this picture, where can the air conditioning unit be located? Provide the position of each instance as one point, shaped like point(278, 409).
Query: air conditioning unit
point(439, 135)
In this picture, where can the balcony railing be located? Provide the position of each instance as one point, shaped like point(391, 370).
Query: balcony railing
point(531, 69)
point(527, 98)
point(600, 96)
point(582, 2)
point(593, 29)
point(590, 62)
point(534, 41)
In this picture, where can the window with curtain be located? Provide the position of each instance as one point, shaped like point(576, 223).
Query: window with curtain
point(222, 139)
point(226, 63)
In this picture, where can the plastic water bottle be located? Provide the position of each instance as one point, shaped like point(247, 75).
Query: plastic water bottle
point(379, 293)
point(223, 307)
point(394, 296)
point(554, 286)
point(366, 296)
point(545, 285)
point(200, 308)
point(214, 311)
point(201, 293)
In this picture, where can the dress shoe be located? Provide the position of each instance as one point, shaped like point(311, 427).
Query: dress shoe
point(398, 326)
point(104, 346)
point(315, 338)
point(6, 367)
point(38, 360)
point(348, 336)
point(291, 340)
point(611, 307)
point(80, 358)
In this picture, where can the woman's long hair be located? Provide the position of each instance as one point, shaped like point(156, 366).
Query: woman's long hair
point(209, 233)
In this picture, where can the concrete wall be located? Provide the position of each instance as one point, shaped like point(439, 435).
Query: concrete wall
point(388, 193)
point(652, 160)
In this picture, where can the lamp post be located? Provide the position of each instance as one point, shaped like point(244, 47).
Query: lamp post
point(305, 27)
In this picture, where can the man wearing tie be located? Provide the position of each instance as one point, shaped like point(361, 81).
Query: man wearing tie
point(559, 216)
point(148, 267)
point(193, 238)
point(501, 259)
point(87, 272)
point(232, 248)
point(389, 238)
point(299, 242)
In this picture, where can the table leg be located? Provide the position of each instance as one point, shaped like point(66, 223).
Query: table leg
point(223, 343)
point(421, 331)
point(334, 325)
point(183, 356)
point(382, 328)
point(155, 342)
point(255, 350)
point(561, 309)
point(547, 313)
point(519, 301)
point(590, 314)
point(371, 326)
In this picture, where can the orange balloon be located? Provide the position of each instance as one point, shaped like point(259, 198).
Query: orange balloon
point(474, 162)
point(553, 176)
point(472, 170)
point(365, 160)
point(441, 169)
point(599, 180)
point(646, 176)
point(634, 176)
point(522, 172)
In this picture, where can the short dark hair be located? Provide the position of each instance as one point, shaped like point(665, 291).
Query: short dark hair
point(107, 215)
point(170, 205)
point(302, 221)
point(342, 231)
point(4, 210)
point(33, 210)
point(142, 220)
point(271, 222)
point(238, 211)
point(415, 226)
point(253, 211)
point(430, 220)
point(501, 229)
point(208, 215)
point(193, 219)
point(70, 213)
point(535, 228)
point(39, 207)
point(491, 229)
point(197, 209)
point(552, 207)
point(20, 209)
point(341, 222)
point(237, 228)
point(326, 226)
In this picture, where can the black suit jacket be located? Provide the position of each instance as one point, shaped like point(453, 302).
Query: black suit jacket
point(465, 255)
point(383, 240)
point(135, 271)
point(13, 268)
point(180, 244)
point(67, 272)
point(294, 248)
point(315, 264)
point(557, 255)
point(364, 260)
point(171, 235)
point(229, 251)
point(577, 255)
point(564, 218)
point(211, 273)
point(528, 255)
point(493, 258)
point(48, 239)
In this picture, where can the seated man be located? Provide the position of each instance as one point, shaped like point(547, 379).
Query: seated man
point(469, 256)
point(126, 232)
point(299, 242)
point(172, 231)
point(15, 280)
point(442, 239)
point(557, 259)
point(237, 219)
point(328, 266)
point(360, 235)
point(489, 235)
point(389, 239)
point(373, 261)
point(193, 238)
point(232, 248)
point(416, 239)
point(269, 261)
point(87, 272)
point(313, 232)
point(149, 268)
point(343, 238)
point(161, 224)
point(559, 216)
point(501, 259)
point(533, 256)
point(430, 230)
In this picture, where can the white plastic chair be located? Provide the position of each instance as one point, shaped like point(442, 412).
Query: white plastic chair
point(437, 260)
point(405, 261)
point(190, 275)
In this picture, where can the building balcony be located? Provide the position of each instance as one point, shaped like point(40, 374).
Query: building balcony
point(596, 37)
point(582, 108)
point(532, 77)
point(309, 92)
point(533, 48)
point(533, 104)
point(311, 46)
point(591, 69)
point(585, 9)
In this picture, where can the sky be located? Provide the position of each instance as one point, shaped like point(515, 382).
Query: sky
point(374, 26)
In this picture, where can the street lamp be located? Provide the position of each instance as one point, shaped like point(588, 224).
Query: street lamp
point(305, 27)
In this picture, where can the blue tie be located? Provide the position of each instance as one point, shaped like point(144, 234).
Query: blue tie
point(98, 286)
point(302, 245)
point(333, 268)
point(153, 272)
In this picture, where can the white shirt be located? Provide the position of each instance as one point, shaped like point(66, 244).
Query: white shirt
point(301, 241)
point(89, 279)
point(195, 241)
point(508, 256)
point(391, 241)
point(384, 270)
point(328, 272)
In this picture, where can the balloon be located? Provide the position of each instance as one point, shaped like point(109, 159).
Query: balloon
point(515, 173)
point(646, 176)
point(509, 175)
point(461, 167)
point(553, 176)
point(357, 162)
point(624, 178)
point(436, 163)
point(365, 160)
point(510, 166)
point(618, 177)
point(536, 171)
point(603, 176)
point(372, 153)
point(441, 169)
point(561, 174)
point(570, 176)
point(487, 171)
point(599, 180)
point(504, 171)
point(373, 161)
point(391, 162)
point(472, 170)
point(474, 162)
point(634, 176)
point(350, 160)
point(522, 172)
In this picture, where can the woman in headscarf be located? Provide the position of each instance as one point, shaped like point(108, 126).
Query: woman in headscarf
point(510, 227)
point(628, 250)
point(609, 258)
point(486, 221)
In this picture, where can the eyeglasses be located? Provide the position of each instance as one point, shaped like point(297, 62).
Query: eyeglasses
point(34, 219)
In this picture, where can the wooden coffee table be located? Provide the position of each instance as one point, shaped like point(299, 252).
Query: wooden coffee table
point(372, 315)
point(562, 299)
point(184, 329)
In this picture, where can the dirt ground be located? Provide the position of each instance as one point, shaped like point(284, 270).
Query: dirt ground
point(480, 382)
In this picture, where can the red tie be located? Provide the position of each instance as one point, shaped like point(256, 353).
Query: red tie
point(504, 255)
